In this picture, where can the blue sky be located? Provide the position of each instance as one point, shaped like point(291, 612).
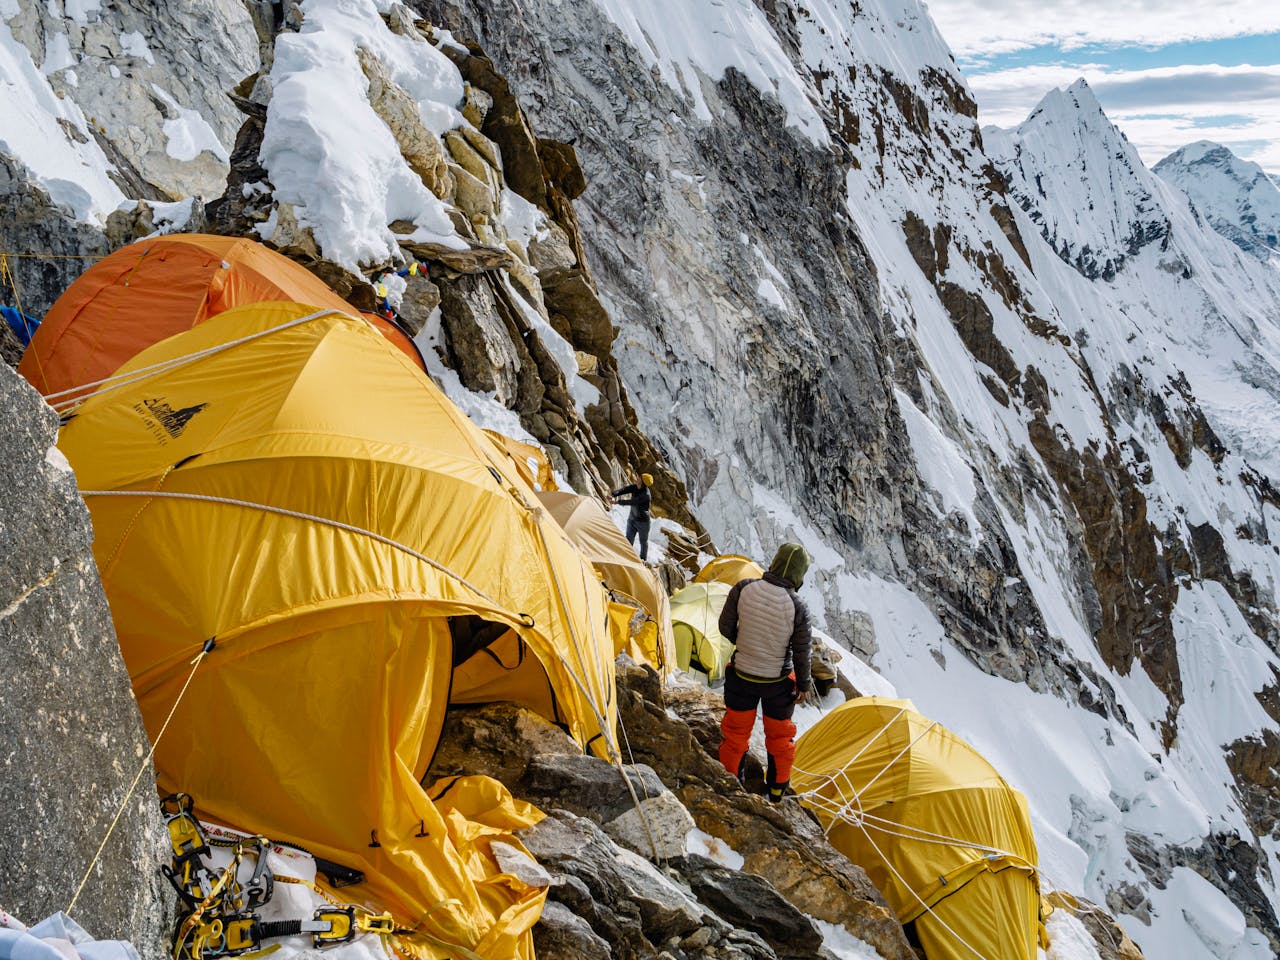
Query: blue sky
point(1168, 72)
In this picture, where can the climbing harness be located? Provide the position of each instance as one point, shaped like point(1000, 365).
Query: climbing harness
point(219, 914)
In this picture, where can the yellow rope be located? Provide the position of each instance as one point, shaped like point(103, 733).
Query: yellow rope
point(142, 768)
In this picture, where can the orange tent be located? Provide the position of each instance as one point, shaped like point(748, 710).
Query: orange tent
point(152, 289)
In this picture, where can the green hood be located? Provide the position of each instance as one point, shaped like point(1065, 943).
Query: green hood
point(790, 563)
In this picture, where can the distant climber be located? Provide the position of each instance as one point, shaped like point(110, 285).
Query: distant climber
point(770, 666)
point(638, 520)
point(383, 292)
point(22, 325)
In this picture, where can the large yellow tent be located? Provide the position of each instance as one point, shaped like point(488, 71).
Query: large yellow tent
point(620, 567)
point(695, 621)
point(941, 834)
point(285, 481)
point(730, 568)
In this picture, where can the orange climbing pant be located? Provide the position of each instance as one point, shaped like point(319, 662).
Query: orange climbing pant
point(741, 698)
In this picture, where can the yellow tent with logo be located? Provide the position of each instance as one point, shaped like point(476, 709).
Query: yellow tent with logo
point(730, 568)
point(621, 569)
point(283, 480)
point(695, 621)
point(941, 834)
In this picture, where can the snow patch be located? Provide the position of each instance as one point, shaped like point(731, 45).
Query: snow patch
point(684, 40)
point(328, 152)
point(842, 944)
point(57, 54)
point(713, 848)
point(134, 44)
point(940, 464)
point(188, 135)
point(75, 174)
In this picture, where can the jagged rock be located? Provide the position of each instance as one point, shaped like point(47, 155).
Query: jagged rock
point(468, 261)
point(551, 253)
point(573, 845)
point(159, 98)
point(420, 147)
point(146, 218)
point(291, 237)
point(589, 786)
point(481, 349)
point(577, 312)
point(474, 197)
point(497, 740)
point(11, 348)
point(71, 737)
point(421, 297)
point(401, 20)
point(476, 106)
point(780, 844)
point(1109, 938)
point(747, 901)
point(31, 223)
point(657, 828)
point(562, 935)
point(476, 154)
point(1224, 860)
point(560, 166)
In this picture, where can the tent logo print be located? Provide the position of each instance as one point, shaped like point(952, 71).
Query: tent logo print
point(173, 421)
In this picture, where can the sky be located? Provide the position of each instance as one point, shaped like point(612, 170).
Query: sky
point(1168, 72)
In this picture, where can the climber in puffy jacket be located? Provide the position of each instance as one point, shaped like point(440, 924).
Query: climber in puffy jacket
point(770, 665)
point(638, 519)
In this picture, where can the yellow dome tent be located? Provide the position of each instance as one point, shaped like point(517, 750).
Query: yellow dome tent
point(620, 567)
point(286, 482)
point(941, 834)
point(730, 568)
point(695, 621)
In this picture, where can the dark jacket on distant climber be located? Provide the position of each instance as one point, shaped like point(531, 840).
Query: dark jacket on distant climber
point(770, 626)
point(638, 520)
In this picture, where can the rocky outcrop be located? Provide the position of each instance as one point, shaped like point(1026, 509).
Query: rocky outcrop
point(617, 849)
point(71, 737)
point(152, 82)
point(54, 247)
point(1227, 861)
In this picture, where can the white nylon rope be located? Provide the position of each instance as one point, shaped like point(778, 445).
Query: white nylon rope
point(73, 395)
point(843, 812)
point(297, 515)
point(928, 909)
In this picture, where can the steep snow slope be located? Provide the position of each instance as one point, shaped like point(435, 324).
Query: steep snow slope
point(1123, 567)
point(1239, 200)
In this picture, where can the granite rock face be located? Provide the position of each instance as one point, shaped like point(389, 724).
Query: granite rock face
point(153, 81)
point(71, 737)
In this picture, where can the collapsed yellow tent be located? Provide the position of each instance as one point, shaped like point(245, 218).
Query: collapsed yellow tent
point(621, 569)
point(285, 481)
point(941, 834)
point(695, 621)
point(730, 568)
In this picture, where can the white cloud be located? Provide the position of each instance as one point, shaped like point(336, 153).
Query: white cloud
point(985, 27)
point(1159, 109)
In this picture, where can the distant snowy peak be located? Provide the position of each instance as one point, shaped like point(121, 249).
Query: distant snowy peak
point(1235, 196)
point(1081, 181)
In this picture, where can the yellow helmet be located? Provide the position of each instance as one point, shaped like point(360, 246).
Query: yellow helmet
point(646, 479)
